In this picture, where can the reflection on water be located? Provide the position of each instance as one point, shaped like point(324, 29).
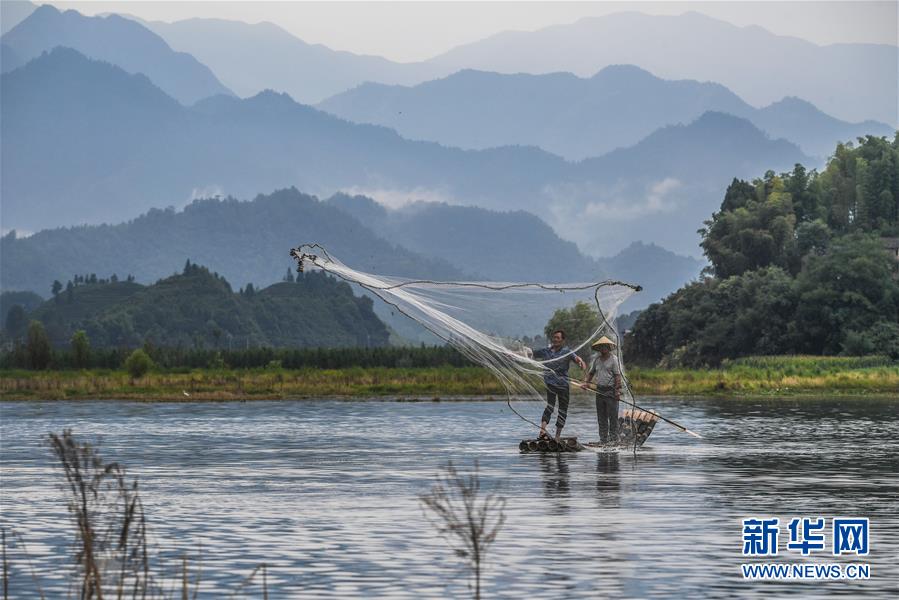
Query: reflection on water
point(326, 493)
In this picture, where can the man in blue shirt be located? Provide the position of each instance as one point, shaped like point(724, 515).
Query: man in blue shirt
point(556, 359)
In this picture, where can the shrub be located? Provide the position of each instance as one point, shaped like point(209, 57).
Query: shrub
point(138, 363)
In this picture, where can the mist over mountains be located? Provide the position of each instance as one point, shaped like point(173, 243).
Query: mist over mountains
point(516, 246)
point(95, 144)
point(573, 117)
point(247, 242)
point(250, 58)
point(116, 40)
point(759, 66)
point(580, 151)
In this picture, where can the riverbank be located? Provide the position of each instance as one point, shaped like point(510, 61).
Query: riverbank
point(781, 376)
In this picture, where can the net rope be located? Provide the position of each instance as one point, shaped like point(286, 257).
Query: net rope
point(502, 325)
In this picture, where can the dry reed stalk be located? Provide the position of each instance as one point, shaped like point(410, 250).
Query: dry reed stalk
point(110, 524)
point(469, 525)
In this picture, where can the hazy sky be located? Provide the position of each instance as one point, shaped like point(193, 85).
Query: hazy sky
point(410, 31)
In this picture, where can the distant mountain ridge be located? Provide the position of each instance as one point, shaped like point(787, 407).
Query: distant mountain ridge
point(759, 66)
point(119, 41)
point(145, 150)
point(517, 246)
point(247, 242)
point(13, 12)
point(271, 58)
point(855, 82)
point(573, 117)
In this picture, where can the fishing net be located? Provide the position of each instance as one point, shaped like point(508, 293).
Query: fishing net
point(505, 327)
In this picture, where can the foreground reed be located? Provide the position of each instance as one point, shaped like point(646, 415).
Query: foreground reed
point(110, 550)
point(467, 518)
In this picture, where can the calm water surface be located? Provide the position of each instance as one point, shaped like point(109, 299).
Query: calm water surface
point(326, 493)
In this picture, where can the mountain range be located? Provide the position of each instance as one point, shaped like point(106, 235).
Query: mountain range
point(116, 40)
point(855, 82)
point(250, 58)
point(573, 117)
point(516, 246)
point(247, 242)
point(86, 142)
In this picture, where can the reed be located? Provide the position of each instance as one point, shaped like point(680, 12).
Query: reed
point(466, 517)
point(111, 554)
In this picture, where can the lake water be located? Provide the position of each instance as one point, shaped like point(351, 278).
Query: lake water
point(326, 493)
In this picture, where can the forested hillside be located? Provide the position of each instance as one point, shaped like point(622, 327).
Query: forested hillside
point(247, 242)
point(198, 309)
point(801, 262)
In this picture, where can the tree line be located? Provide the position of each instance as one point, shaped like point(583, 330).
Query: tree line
point(35, 352)
point(800, 263)
point(198, 308)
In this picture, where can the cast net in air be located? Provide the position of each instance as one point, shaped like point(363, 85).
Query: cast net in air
point(505, 327)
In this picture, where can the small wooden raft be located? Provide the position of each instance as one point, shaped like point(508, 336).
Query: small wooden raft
point(565, 444)
point(633, 424)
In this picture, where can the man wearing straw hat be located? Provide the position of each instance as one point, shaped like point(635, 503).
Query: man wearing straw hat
point(605, 375)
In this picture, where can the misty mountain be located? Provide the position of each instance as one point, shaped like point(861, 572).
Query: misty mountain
point(573, 117)
point(517, 246)
point(9, 59)
point(492, 245)
point(252, 58)
point(816, 132)
point(247, 242)
point(118, 41)
point(854, 82)
point(84, 142)
point(13, 12)
point(653, 267)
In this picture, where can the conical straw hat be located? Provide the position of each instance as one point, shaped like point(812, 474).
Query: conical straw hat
point(603, 340)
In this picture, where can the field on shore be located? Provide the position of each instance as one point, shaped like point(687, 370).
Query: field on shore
point(749, 376)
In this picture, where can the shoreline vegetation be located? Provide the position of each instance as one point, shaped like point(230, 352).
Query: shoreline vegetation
point(751, 376)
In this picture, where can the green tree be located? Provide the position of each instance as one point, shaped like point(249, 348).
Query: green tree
point(813, 237)
point(851, 288)
point(37, 346)
point(579, 323)
point(750, 233)
point(138, 363)
point(81, 349)
point(56, 287)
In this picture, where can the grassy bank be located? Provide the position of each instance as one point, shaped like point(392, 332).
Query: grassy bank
point(207, 384)
point(775, 375)
point(750, 376)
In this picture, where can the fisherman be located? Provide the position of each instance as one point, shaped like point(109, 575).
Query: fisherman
point(557, 358)
point(605, 377)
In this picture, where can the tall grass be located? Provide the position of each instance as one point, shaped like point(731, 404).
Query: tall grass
point(751, 375)
point(775, 375)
